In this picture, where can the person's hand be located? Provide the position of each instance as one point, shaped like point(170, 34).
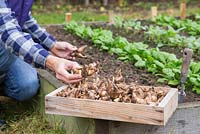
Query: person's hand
point(61, 67)
point(63, 50)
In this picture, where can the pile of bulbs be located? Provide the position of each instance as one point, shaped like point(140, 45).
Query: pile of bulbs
point(111, 89)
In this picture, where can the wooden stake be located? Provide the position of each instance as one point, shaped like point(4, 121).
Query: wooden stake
point(183, 10)
point(87, 2)
point(120, 3)
point(68, 17)
point(171, 12)
point(111, 16)
point(154, 12)
point(105, 2)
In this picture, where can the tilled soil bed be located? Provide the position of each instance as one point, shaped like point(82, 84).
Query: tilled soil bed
point(109, 63)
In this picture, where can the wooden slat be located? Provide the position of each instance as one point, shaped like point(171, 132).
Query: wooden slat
point(128, 112)
point(104, 110)
point(56, 91)
point(171, 104)
point(171, 93)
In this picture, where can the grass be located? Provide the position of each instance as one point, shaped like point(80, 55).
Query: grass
point(31, 123)
point(59, 18)
point(25, 118)
point(89, 16)
point(49, 18)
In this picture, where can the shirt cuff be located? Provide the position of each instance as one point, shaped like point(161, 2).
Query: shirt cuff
point(49, 42)
point(40, 59)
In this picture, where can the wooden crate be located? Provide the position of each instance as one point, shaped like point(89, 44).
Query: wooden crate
point(118, 111)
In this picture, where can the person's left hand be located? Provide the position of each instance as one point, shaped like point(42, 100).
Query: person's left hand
point(63, 50)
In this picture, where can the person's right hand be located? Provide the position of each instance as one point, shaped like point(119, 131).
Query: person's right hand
point(61, 67)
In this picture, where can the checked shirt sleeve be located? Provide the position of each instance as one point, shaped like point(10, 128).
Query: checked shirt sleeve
point(39, 34)
point(12, 36)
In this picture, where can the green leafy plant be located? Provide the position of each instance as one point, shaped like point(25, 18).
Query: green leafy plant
point(190, 26)
point(161, 36)
point(171, 37)
point(128, 24)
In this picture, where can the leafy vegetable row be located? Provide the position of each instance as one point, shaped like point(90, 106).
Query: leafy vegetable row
point(191, 27)
point(162, 64)
point(129, 24)
point(187, 25)
point(159, 35)
point(171, 37)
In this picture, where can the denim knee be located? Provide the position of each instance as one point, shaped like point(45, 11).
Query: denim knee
point(23, 90)
point(27, 89)
point(21, 81)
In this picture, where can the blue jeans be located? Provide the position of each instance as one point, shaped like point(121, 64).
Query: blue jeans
point(21, 81)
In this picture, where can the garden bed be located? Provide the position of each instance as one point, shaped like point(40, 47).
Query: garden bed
point(109, 63)
point(136, 33)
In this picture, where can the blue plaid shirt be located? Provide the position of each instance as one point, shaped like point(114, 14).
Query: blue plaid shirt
point(21, 39)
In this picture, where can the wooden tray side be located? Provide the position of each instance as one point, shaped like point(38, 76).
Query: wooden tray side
point(169, 103)
point(118, 111)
